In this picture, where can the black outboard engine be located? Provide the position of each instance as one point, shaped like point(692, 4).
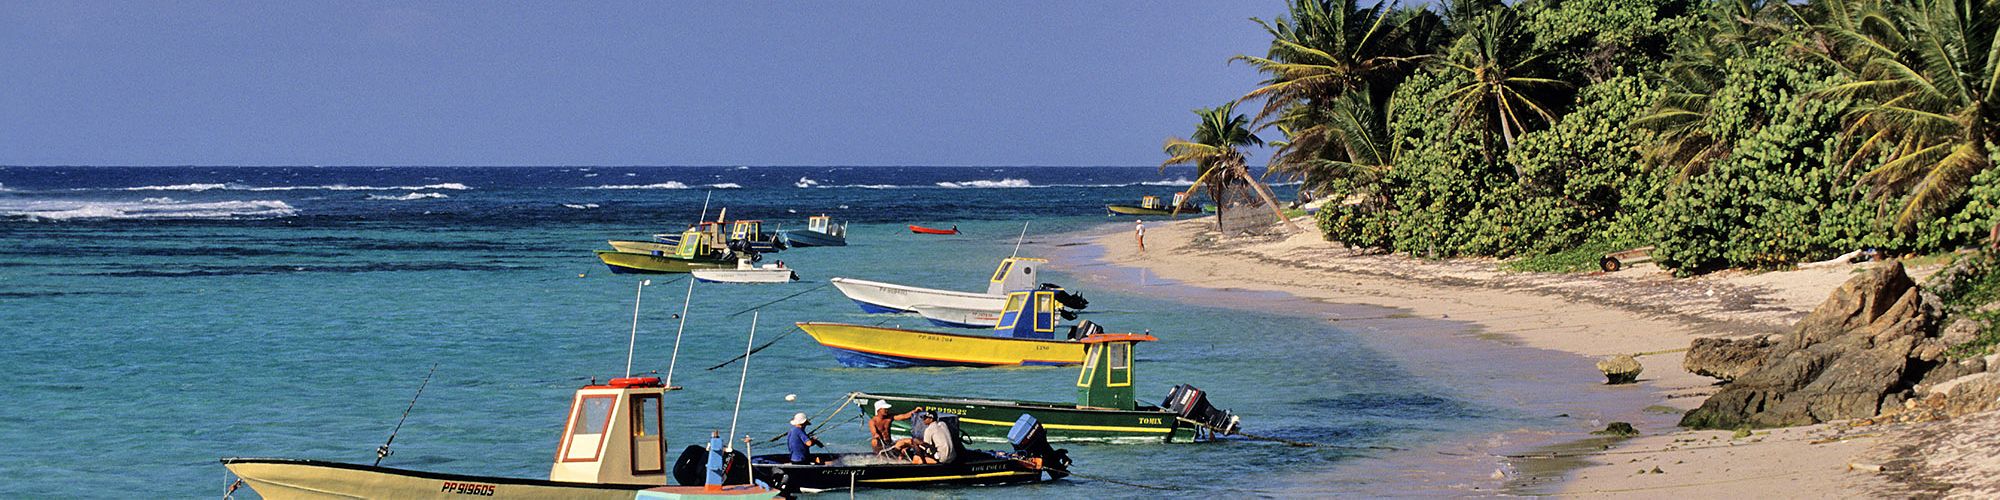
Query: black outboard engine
point(742, 249)
point(692, 467)
point(1067, 299)
point(1030, 440)
point(1083, 329)
point(1192, 404)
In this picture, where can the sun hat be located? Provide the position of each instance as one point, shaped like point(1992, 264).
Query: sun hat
point(881, 404)
point(800, 419)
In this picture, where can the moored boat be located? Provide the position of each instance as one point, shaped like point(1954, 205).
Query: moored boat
point(1151, 205)
point(1027, 329)
point(1013, 273)
point(748, 272)
point(1031, 461)
point(1105, 408)
point(931, 230)
point(696, 250)
point(819, 232)
point(954, 317)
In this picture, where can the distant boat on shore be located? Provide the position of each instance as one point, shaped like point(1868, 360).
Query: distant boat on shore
point(1150, 205)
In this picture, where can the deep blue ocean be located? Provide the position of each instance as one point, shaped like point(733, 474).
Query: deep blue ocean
point(157, 319)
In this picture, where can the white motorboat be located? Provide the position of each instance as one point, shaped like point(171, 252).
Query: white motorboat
point(748, 272)
point(1014, 273)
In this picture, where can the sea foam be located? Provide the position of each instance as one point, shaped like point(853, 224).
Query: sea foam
point(150, 208)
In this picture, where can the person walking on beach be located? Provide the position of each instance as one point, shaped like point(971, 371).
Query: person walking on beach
point(1139, 231)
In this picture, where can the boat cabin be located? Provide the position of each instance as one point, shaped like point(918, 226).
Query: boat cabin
point(823, 224)
point(1150, 202)
point(614, 435)
point(696, 243)
point(1029, 314)
point(1014, 273)
point(1105, 381)
point(748, 230)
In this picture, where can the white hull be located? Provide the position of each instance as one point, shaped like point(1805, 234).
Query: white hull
point(745, 275)
point(902, 298)
point(955, 317)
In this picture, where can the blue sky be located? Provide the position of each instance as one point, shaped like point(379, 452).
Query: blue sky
point(614, 83)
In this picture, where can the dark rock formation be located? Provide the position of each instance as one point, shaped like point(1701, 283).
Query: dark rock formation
point(1856, 353)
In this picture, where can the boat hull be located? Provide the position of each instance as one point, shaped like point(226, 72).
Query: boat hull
point(862, 346)
point(312, 479)
point(801, 238)
point(642, 263)
point(745, 275)
point(876, 297)
point(1136, 210)
point(867, 470)
point(929, 230)
point(669, 242)
point(989, 420)
point(958, 318)
point(645, 247)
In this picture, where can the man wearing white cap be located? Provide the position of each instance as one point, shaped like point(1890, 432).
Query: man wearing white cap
point(798, 441)
point(878, 426)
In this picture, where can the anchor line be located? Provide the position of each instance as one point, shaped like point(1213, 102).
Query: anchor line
point(787, 333)
point(787, 297)
point(839, 407)
point(1302, 444)
point(1125, 483)
point(383, 452)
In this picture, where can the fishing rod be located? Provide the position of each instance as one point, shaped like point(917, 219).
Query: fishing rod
point(676, 356)
point(1017, 241)
point(632, 344)
point(745, 378)
point(704, 206)
point(383, 451)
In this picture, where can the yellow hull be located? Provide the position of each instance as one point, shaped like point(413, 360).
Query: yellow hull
point(305, 479)
point(879, 347)
point(647, 247)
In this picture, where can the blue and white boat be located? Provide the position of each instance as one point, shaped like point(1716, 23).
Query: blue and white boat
point(819, 232)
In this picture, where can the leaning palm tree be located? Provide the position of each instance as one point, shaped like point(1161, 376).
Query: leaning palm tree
point(1213, 150)
point(1683, 139)
point(1328, 48)
point(1502, 89)
point(1928, 108)
point(1345, 140)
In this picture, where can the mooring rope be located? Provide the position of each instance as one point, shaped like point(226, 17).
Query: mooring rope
point(787, 297)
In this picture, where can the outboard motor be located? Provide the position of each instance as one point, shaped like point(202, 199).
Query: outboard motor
point(692, 466)
point(1031, 441)
point(1083, 329)
point(1192, 404)
point(1067, 299)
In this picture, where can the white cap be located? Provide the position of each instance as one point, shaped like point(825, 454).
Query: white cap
point(800, 419)
point(881, 404)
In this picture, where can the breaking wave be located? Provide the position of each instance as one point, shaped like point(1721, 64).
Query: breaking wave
point(805, 182)
point(580, 206)
point(408, 197)
point(330, 187)
point(150, 208)
point(986, 184)
point(665, 185)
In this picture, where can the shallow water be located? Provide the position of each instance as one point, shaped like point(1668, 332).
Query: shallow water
point(145, 343)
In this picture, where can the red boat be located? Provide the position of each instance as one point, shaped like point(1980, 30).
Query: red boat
point(928, 230)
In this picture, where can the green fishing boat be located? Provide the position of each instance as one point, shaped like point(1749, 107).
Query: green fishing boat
point(697, 249)
point(1105, 409)
point(1150, 205)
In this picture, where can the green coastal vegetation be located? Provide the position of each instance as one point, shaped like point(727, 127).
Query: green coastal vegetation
point(1725, 133)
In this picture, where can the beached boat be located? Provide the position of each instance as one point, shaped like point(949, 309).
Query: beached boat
point(606, 452)
point(1105, 408)
point(1031, 461)
point(931, 230)
point(819, 232)
point(696, 250)
point(1150, 205)
point(1014, 273)
point(748, 272)
point(1026, 336)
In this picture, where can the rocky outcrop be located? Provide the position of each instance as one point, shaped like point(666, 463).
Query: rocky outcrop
point(1863, 349)
point(1725, 359)
point(1620, 369)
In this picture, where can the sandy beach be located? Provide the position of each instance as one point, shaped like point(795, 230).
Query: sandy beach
point(1641, 311)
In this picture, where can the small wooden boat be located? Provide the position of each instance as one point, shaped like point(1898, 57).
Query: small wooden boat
point(1105, 408)
point(1031, 461)
point(931, 230)
point(819, 232)
point(1028, 337)
point(747, 271)
point(601, 456)
point(1013, 273)
point(1150, 205)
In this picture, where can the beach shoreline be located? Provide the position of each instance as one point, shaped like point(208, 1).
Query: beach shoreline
point(1578, 319)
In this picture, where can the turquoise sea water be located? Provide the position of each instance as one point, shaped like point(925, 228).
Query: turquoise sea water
point(156, 320)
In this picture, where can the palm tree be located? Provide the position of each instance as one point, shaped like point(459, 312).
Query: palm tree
point(1926, 102)
point(1501, 90)
point(1346, 139)
point(1213, 150)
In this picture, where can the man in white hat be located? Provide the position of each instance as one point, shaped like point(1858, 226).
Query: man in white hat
point(878, 426)
point(798, 441)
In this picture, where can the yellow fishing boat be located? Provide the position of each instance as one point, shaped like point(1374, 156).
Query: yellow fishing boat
point(1029, 323)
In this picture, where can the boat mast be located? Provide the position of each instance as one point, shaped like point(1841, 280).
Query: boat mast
point(704, 206)
point(1017, 241)
point(677, 334)
point(745, 378)
point(633, 343)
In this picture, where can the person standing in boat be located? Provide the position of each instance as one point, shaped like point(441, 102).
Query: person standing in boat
point(1139, 232)
point(878, 427)
point(799, 442)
